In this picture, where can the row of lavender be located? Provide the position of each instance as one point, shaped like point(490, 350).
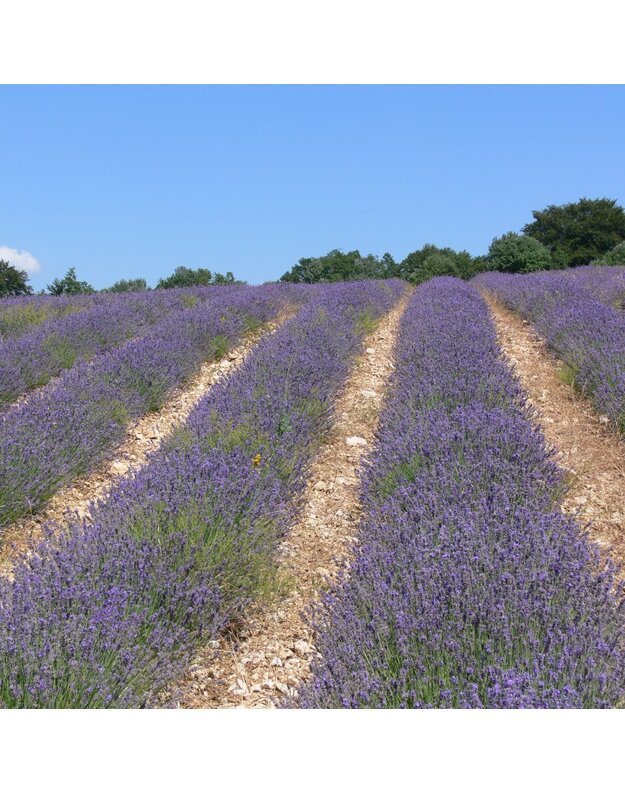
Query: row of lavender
point(110, 613)
point(605, 284)
point(63, 431)
point(469, 587)
point(58, 344)
point(588, 335)
point(21, 314)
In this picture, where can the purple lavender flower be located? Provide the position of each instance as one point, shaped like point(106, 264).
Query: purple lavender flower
point(20, 315)
point(62, 432)
point(58, 344)
point(106, 614)
point(587, 334)
point(469, 588)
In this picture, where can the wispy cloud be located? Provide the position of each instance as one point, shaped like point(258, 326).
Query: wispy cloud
point(22, 260)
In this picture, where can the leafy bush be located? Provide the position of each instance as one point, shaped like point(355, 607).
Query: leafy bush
point(512, 253)
point(339, 266)
point(440, 265)
point(201, 277)
point(128, 285)
point(615, 256)
point(432, 261)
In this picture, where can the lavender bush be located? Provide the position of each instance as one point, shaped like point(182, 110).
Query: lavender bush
point(586, 334)
point(109, 613)
point(62, 432)
point(19, 315)
point(58, 344)
point(605, 284)
point(469, 588)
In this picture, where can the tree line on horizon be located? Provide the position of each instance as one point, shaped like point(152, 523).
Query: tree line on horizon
point(15, 282)
point(588, 231)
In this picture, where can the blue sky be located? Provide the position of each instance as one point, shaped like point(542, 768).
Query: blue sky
point(123, 182)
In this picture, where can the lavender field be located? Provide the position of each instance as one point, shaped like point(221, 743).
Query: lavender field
point(580, 315)
point(210, 572)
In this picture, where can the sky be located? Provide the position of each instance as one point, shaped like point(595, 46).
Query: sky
point(127, 182)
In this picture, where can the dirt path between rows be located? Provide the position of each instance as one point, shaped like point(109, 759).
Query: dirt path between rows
point(274, 649)
point(587, 448)
point(143, 437)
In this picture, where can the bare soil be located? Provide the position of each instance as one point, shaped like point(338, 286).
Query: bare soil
point(588, 449)
point(143, 437)
point(271, 651)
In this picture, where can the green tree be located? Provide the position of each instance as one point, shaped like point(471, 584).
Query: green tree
point(186, 277)
point(201, 277)
point(440, 265)
point(339, 266)
point(479, 264)
point(389, 265)
point(69, 285)
point(579, 232)
point(128, 285)
point(432, 261)
point(220, 280)
point(513, 253)
point(615, 256)
point(13, 281)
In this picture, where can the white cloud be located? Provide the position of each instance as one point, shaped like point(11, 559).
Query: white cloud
point(22, 260)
